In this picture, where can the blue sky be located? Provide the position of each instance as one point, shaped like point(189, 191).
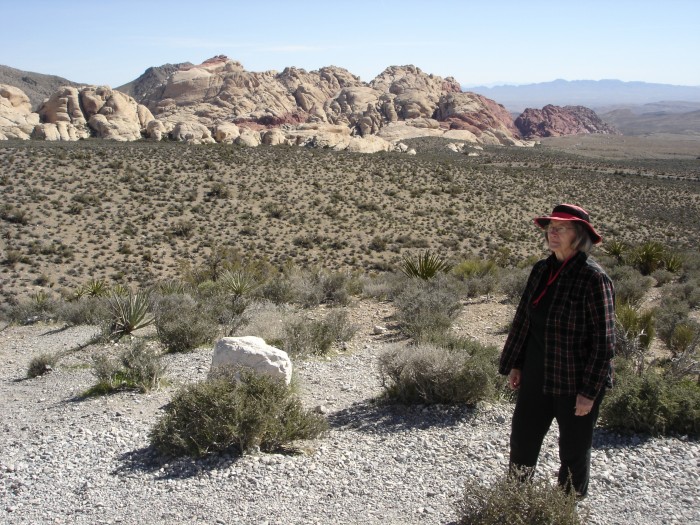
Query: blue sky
point(478, 42)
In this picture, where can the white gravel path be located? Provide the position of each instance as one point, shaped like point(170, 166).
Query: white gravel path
point(87, 461)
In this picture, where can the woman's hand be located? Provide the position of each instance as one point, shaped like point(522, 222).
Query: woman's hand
point(514, 379)
point(583, 405)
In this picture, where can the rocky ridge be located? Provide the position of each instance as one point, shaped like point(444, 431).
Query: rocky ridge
point(556, 121)
point(220, 101)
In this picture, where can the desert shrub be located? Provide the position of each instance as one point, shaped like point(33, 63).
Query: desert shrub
point(474, 268)
point(425, 265)
point(139, 367)
point(653, 404)
point(512, 283)
point(630, 285)
point(682, 337)
point(321, 287)
point(278, 289)
point(668, 315)
point(427, 306)
point(266, 320)
point(384, 286)
point(42, 364)
point(303, 336)
point(426, 374)
point(226, 415)
point(685, 363)
point(662, 276)
point(182, 324)
point(509, 500)
point(39, 307)
point(129, 313)
point(687, 292)
point(84, 311)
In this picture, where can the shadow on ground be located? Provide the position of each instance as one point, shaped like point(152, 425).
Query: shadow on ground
point(377, 417)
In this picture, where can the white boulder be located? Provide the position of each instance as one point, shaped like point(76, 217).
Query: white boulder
point(254, 353)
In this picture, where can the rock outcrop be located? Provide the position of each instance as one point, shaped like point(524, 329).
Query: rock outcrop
point(555, 121)
point(72, 113)
point(16, 118)
point(219, 101)
point(221, 91)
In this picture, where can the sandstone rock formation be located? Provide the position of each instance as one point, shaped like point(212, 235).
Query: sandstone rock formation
point(555, 121)
point(72, 113)
point(16, 118)
point(220, 91)
point(219, 101)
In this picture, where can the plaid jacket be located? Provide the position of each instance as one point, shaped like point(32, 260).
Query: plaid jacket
point(579, 332)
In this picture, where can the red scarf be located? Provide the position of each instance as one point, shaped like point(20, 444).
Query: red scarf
point(552, 277)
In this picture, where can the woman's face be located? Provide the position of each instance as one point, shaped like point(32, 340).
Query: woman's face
point(560, 235)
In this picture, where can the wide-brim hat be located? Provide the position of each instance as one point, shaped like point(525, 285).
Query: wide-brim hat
point(570, 212)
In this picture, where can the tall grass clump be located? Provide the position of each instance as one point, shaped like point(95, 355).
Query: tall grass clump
point(428, 374)
point(511, 501)
point(139, 367)
point(225, 415)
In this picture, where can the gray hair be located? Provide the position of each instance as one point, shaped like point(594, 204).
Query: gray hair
point(582, 242)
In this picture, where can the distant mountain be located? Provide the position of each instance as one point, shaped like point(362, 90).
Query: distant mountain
point(151, 84)
point(37, 86)
point(594, 94)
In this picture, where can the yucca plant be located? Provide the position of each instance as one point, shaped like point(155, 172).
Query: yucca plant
point(672, 262)
point(616, 249)
point(93, 288)
point(425, 266)
point(129, 313)
point(648, 257)
point(237, 283)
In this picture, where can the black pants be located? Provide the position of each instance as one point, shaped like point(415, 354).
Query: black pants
point(534, 412)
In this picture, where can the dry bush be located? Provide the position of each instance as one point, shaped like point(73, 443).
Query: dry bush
point(509, 500)
point(225, 415)
point(427, 374)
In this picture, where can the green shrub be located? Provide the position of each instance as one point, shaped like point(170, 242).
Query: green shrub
point(634, 331)
point(427, 374)
point(84, 311)
point(312, 288)
point(42, 364)
point(474, 268)
point(511, 501)
point(139, 367)
point(424, 266)
point(630, 285)
point(278, 289)
point(129, 313)
point(668, 315)
point(226, 415)
point(304, 336)
point(682, 337)
point(652, 404)
point(512, 283)
point(427, 306)
point(182, 324)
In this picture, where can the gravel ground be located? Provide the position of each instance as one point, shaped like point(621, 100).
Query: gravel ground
point(74, 461)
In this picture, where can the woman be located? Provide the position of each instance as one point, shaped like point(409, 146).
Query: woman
point(559, 349)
